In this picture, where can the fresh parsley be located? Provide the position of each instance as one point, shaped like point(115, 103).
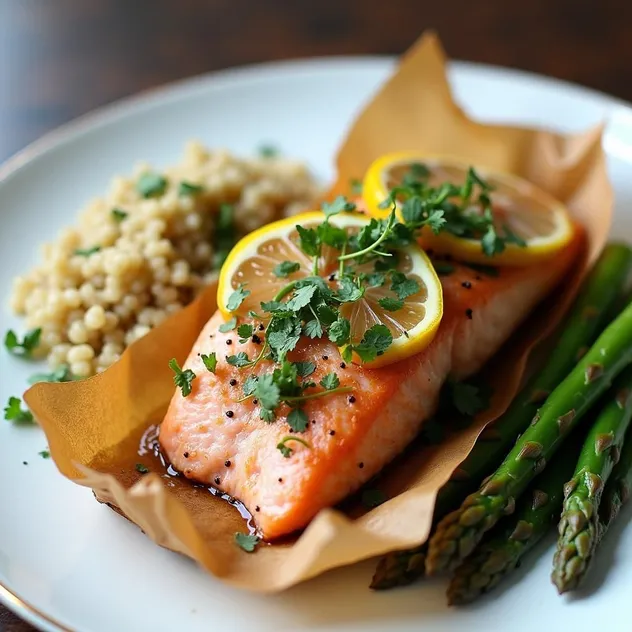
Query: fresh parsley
point(60, 374)
point(188, 189)
point(86, 252)
point(151, 185)
point(229, 325)
point(45, 454)
point(246, 542)
point(356, 186)
point(14, 412)
point(237, 297)
point(23, 348)
point(268, 151)
point(240, 360)
point(182, 379)
point(225, 236)
point(118, 214)
point(298, 420)
point(286, 450)
point(330, 382)
point(391, 304)
point(285, 268)
point(141, 469)
point(210, 361)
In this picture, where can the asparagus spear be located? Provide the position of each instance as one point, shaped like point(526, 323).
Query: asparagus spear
point(617, 490)
point(591, 310)
point(460, 531)
point(501, 553)
point(579, 523)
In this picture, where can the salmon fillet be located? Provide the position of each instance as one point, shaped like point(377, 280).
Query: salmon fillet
point(214, 440)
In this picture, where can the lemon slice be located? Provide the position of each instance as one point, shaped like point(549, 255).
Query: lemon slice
point(535, 217)
point(252, 263)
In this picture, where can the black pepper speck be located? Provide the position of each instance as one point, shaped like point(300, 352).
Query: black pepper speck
point(478, 277)
point(343, 365)
point(227, 463)
point(257, 508)
point(216, 480)
point(360, 465)
point(233, 382)
point(256, 339)
point(313, 421)
point(229, 413)
point(325, 357)
point(332, 432)
point(468, 313)
point(352, 399)
point(332, 277)
point(255, 401)
point(229, 342)
point(186, 455)
point(261, 327)
point(466, 284)
point(280, 480)
point(25, 462)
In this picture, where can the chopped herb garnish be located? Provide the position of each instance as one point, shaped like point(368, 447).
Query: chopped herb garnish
point(237, 298)
point(210, 361)
point(45, 454)
point(13, 412)
point(60, 374)
point(151, 185)
point(391, 304)
point(285, 268)
point(356, 186)
point(268, 151)
point(239, 360)
point(304, 369)
point(225, 236)
point(298, 420)
point(86, 252)
point(118, 214)
point(246, 542)
point(141, 469)
point(442, 268)
point(25, 347)
point(229, 325)
point(285, 450)
point(330, 381)
point(182, 379)
point(188, 189)
point(244, 332)
point(372, 498)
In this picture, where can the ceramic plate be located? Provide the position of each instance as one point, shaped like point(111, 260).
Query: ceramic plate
point(68, 563)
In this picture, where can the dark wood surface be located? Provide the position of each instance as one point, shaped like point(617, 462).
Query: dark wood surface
point(62, 58)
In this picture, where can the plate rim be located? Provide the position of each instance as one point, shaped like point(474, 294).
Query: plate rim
point(228, 77)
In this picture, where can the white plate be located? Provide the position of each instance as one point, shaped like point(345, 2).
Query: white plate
point(78, 565)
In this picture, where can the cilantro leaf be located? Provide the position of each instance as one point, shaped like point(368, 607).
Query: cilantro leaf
point(391, 304)
point(436, 221)
point(249, 386)
point(45, 454)
point(339, 205)
point(118, 214)
point(304, 369)
point(182, 379)
point(313, 328)
point(375, 342)
point(13, 412)
point(298, 420)
point(268, 151)
point(24, 347)
point(301, 298)
point(188, 189)
point(210, 361)
point(403, 286)
point(372, 498)
point(237, 298)
point(151, 185)
point(246, 542)
point(285, 268)
point(326, 314)
point(285, 450)
point(267, 392)
point(240, 360)
point(356, 186)
point(86, 252)
point(267, 415)
point(308, 241)
point(491, 243)
point(60, 374)
point(330, 381)
point(349, 291)
point(225, 235)
point(273, 306)
point(244, 332)
point(412, 211)
point(340, 331)
point(283, 335)
point(331, 235)
point(228, 325)
point(442, 268)
point(374, 279)
point(141, 469)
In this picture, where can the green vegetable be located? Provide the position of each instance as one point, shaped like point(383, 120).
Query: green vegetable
point(210, 361)
point(23, 348)
point(502, 550)
point(298, 420)
point(237, 297)
point(151, 185)
point(225, 236)
point(356, 186)
point(188, 189)
point(247, 542)
point(182, 379)
point(45, 454)
point(60, 374)
point(229, 325)
point(589, 313)
point(86, 252)
point(285, 450)
point(13, 412)
point(141, 469)
point(579, 523)
point(268, 151)
point(285, 268)
point(330, 381)
point(118, 214)
point(459, 532)
point(617, 490)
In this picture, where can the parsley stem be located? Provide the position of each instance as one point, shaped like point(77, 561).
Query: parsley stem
point(341, 267)
point(293, 438)
point(285, 290)
point(315, 266)
point(333, 391)
point(387, 231)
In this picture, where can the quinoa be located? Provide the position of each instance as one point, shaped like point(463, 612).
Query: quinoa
point(145, 249)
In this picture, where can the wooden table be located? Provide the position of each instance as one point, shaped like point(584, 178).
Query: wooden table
point(61, 58)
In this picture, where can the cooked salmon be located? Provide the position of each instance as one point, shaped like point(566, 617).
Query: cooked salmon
point(215, 440)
